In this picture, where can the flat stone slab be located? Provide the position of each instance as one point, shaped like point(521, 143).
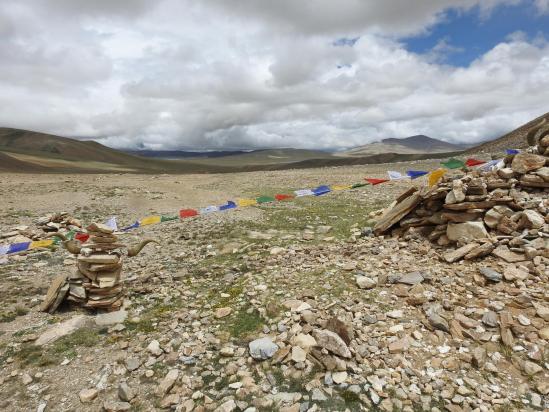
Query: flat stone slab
point(62, 329)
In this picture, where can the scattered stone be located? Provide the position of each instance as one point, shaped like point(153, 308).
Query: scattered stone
point(263, 348)
point(331, 342)
point(222, 312)
point(88, 395)
point(491, 274)
point(167, 383)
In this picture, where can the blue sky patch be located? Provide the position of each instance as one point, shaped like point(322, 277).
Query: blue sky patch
point(463, 36)
point(344, 41)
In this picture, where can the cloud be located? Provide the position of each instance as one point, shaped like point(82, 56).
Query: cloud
point(253, 74)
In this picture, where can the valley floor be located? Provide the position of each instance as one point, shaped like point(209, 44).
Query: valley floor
point(286, 271)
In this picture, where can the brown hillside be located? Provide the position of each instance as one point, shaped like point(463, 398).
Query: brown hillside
point(512, 140)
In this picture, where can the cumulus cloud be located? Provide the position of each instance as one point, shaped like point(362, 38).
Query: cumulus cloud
point(252, 74)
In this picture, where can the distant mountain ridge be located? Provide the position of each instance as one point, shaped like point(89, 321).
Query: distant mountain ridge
point(409, 145)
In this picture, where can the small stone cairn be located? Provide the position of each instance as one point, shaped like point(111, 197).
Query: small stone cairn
point(96, 282)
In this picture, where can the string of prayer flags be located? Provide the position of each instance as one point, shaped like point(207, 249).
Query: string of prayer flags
point(246, 202)
point(208, 209)
point(183, 213)
point(435, 176)
point(394, 175)
point(474, 162)
point(229, 205)
point(321, 190)
point(281, 197)
point(512, 151)
point(304, 192)
point(453, 164)
point(414, 174)
point(374, 182)
point(265, 199)
point(150, 220)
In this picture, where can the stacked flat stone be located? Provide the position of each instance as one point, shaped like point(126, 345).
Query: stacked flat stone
point(96, 282)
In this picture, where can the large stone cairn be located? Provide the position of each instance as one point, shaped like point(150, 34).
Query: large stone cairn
point(501, 212)
point(96, 282)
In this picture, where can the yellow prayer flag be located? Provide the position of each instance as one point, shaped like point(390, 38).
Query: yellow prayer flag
point(150, 220)
point(341, 187)
point(247, 202)
point(435, 176)
point(41, 243)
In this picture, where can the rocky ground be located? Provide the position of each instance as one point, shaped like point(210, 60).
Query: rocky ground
point(288, 306)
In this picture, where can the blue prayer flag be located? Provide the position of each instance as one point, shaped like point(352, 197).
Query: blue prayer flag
point(134, 226)
point(230, 205)
point(512, 151)
point(414, 174)
point(18, 247)
point(321, 190)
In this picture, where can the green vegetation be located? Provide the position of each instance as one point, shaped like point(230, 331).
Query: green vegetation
point(65, 347)
point(244, 322)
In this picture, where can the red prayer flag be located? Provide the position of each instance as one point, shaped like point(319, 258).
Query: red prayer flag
point(187, 213)
point(82, 237)
point(374, 182)
point(474, 162)
point(283, 197)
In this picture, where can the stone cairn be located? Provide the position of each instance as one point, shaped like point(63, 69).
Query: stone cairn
point(500, 212)
point(96, 282)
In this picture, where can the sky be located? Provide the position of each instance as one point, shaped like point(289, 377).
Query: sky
point(246, 74)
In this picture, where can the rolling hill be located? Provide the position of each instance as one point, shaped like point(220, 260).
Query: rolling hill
point(409, 145)
point(515, 139)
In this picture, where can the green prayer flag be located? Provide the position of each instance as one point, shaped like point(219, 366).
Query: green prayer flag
point(168, 218)
point(453, 164)
point(265, 199)
point(356, 185)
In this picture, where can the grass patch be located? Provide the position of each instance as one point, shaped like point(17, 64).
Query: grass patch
point(64, 347)
point(156, 312)
point(241, 324)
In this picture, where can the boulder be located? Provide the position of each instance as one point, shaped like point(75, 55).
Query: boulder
point(332, 342)
point(466, 232)
point(525, 162)
point(263, 348)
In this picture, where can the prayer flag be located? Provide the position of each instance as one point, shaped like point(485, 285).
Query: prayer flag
point(374, 182)
point(4, 249)
point(41, 243)
point(321, 190)
point(209, 209)
point(357, 185)
point(82, 237)
point(246, 202)
point(435, 176)
point(168, 218)
point(414, 174)
point(453, 164)
point(69, 235)
point(304, 192)
point(18, 247)
point(342, 187)
point(265, 199)
point(111, 222)
point(230, 205)
point(492, 164)
point(133, 226)
point(393, 175)
point(512, 151)
point(150, 220)
point(474, 162)
point(183, 213)
point(283, 197)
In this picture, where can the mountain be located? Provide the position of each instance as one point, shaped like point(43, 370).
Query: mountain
point(515, 139)
point(408, 145)
point(182, 154)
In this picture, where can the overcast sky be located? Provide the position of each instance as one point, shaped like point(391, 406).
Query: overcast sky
point(231, 74)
